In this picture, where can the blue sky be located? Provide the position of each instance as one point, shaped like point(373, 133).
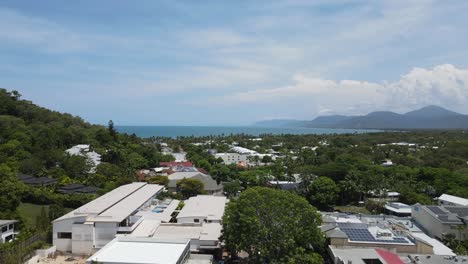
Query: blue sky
point(234, 62)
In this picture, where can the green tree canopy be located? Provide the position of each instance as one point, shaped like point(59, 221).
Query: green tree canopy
point(190, 187)
point(273, 226)
point(323, 192)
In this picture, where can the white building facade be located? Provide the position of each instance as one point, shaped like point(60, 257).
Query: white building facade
point(93, 225)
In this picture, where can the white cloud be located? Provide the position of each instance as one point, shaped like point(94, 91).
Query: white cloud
point(444, 85)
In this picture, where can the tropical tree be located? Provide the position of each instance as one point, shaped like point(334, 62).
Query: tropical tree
point(190, 187)
point(323, 193)
point(273, 226)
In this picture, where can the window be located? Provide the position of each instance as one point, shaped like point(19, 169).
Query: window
point(196, 220)
point(4, 229)
point(64, 235)
point(10, 227)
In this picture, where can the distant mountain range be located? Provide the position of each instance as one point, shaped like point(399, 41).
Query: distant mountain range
point(429, 117)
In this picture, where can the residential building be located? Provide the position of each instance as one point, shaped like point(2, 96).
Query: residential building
point(7, 230)
point(96, 223)
point(36, 181)
point(232, 158)
point(446, 199)
point(175, 164)
point(439, 221)
point(77, 188)
point(210, 186)
point(84, 150)
point(202, 208)
point(363, 256)
point(131, 250)
point(284, 185)
point(397, 234)
point(398, 209)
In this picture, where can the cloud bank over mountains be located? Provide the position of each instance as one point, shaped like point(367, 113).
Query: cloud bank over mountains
point(444, 85)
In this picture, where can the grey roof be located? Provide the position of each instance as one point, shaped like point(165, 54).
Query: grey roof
point(449, 214)
point(208, 182)
point(336, 233)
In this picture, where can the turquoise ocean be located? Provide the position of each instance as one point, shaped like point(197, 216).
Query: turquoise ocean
point(198, 131)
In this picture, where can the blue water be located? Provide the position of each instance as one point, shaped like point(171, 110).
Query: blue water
point(177, 131)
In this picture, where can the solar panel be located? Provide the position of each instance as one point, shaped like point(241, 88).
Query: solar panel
point(460, 211)
point(363, 235)
point(436, 210)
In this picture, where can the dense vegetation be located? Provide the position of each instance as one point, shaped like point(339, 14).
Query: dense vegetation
point(33, 141)
point(273, 227)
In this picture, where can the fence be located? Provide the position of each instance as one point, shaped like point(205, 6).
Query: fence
point(21, 250)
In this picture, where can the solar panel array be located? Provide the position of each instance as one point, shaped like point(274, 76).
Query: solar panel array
point(459, 210)
point(363, 235)
point(436, 210)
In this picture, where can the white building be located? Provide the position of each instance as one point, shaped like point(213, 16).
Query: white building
point(446, 199)
point(202, 208)
point(438, 221)
point(7, 230)
point(96, 223)
point(232, 158)
point(84, 150)
point(130, 250)
point(398, 209)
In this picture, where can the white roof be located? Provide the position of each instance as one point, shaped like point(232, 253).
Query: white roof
point(178, 231)
point(438, 247)
point(209, 206)
point(127, 206)
point(205, 231)
point(146, 228)
point(164, 216)
point(131, 195)
point(140, 251)
point(454, 199)
point(398, 208)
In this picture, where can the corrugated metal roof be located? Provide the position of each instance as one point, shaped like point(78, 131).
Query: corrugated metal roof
point(125, 199)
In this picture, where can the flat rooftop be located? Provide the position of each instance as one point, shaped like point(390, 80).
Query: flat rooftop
point(141, 251)
point(209, 206)
point(454, 199)
point(117, 204)
point(206, 231)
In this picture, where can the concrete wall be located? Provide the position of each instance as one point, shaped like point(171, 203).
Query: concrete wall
point(83, 239)
point(104, 232)
point(190, 220)
point(64, 226)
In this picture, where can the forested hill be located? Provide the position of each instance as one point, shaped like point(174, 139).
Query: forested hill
point(33, 141)
point(429, 117)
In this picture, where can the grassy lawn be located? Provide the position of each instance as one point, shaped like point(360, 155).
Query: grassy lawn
point(352, 209)
point(30, 212)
